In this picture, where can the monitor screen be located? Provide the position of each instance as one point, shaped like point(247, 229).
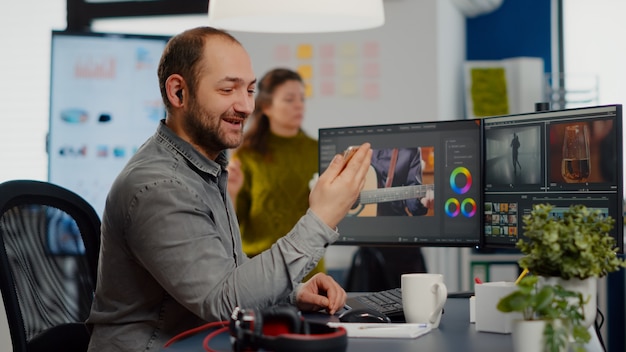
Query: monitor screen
point(432, 194)
point(563, 158)
point(104, 103)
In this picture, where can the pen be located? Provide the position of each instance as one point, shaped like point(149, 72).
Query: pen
point(379, 327)
point(521, 276)
point(403, 326)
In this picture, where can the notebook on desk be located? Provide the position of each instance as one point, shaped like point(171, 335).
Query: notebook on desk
point(403, 330)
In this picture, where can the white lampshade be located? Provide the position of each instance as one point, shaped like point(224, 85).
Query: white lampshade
point(296, 16)
point(473, 8)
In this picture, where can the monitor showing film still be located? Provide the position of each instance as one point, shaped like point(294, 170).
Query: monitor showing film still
point(562, 158)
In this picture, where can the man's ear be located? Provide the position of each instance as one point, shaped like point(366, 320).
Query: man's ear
point(174, 87)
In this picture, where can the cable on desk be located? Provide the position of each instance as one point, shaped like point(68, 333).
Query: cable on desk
point(207, 339)
point(222, 324)
point(598, 326)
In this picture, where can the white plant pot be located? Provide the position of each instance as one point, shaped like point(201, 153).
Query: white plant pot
point(528, 335)
point(588, 288)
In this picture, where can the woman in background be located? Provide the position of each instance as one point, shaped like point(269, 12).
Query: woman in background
point(269, 173)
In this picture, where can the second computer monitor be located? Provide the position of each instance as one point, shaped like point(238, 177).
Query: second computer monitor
point(563, 158)
point(424, 185)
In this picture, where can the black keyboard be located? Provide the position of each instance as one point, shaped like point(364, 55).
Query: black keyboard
point(388, 302)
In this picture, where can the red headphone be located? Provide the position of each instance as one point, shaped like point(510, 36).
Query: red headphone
point(283, 329)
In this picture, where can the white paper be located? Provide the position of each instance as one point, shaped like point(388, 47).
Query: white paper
point(384, 330)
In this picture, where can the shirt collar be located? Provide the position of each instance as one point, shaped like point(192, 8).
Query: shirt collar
point(191, 154)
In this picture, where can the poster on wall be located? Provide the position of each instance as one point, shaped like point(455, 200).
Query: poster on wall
point(502, 87)
point(104, 103)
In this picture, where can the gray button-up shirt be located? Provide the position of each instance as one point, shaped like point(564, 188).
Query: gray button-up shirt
point(171, 256)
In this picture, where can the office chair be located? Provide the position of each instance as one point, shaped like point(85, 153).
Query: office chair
point(376, 269)
point(49, 245)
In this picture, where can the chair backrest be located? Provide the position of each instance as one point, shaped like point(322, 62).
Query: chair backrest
point(49, 245)
point(376, 269)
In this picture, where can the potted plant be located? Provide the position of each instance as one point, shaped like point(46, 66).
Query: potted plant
point(571, 250)
point(576, 245)
point(566, 254)
point(550, 311)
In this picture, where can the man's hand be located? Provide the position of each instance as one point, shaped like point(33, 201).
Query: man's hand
point(321, 292)
point(339, 186)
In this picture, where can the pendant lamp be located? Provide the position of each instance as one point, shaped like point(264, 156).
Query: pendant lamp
point(296, 16)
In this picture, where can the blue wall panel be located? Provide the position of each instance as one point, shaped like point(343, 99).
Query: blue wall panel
point(516, 28)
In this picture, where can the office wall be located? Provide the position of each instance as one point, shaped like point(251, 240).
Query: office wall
point(516, 28)
point(407, 70)
point(25, 71)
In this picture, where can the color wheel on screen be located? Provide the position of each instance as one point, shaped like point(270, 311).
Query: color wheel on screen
point(467, 207)
point(460, 180)
point(452, 207)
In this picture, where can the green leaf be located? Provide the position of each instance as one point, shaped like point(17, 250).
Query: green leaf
point(514, 302)
point(543, 299)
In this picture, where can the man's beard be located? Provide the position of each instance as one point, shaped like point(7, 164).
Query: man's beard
point(203, 128)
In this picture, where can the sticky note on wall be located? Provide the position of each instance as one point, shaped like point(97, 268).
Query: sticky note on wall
point(304, 52)
point(305, 71)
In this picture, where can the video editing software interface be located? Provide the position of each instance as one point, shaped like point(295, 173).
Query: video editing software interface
point(432, 196)
point(560, 157)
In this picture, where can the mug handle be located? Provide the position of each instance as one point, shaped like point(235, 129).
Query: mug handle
point(442, 294)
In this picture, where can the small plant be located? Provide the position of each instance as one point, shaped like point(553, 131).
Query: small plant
point(573, 245)
point(576, 245)
point(561, 309)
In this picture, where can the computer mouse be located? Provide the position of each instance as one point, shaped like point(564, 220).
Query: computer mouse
point(363, 315)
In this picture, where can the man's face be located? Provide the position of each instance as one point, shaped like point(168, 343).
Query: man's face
point(214, 117)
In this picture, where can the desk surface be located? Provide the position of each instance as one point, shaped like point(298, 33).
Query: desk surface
point(455, 333)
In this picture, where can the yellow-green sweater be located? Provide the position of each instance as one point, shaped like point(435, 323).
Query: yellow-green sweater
point(275, 193)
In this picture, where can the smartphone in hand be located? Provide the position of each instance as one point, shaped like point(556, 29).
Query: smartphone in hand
point(348, 154)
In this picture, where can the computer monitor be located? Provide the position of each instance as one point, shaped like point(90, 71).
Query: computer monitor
point(563, 158)
point(440, 160)
point(104, 103)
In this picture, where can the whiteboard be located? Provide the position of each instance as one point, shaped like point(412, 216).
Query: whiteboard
point(104, 103)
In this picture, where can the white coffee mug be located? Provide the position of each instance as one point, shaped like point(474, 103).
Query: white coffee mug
point(423, 297)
